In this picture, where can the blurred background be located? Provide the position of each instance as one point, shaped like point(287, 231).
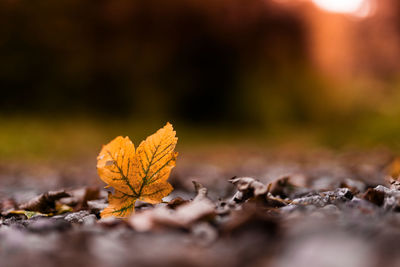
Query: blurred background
point(74, 74)
point(305, 89)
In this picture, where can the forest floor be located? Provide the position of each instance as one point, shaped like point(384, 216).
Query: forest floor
point(245, 208)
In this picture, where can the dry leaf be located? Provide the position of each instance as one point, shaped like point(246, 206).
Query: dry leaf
point(375, 196)
point(184, 216)
point(44, 203)
point(289, 186)
point(176, 202)
point(139, 174)
point(89, 193)
point(247, 188)
point(27, 213)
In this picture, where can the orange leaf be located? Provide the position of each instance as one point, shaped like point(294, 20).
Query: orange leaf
point(137, 175)
point(393, 169)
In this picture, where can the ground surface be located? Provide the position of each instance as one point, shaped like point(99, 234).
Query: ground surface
point(315, 208)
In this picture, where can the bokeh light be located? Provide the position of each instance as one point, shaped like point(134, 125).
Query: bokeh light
point(354, 7)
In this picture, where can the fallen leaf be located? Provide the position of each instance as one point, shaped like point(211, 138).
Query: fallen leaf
point(374, 196)
point(44, 203)
point(80, 197)
point(201, 208)
point(255, 191)
point(62, 208)
point(90, 193)
point(176, 202)
point(286, 186)
point(139, 174)
point(27, 213)
point(355, 186)
point(247, 188)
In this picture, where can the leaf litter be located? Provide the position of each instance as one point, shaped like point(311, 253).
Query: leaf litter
point(311, 216)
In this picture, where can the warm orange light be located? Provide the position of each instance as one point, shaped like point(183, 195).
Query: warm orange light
point(360, 8)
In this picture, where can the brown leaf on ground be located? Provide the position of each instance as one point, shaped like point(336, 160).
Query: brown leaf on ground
point(256, 192)
point(90, 193)
point(247, 188)
point(374, 196)
point(287, 185)
point(354, 190)
point(44, 203)
point(201, 208)
point(79, 197)
point(27, 214)
point(176, 202)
